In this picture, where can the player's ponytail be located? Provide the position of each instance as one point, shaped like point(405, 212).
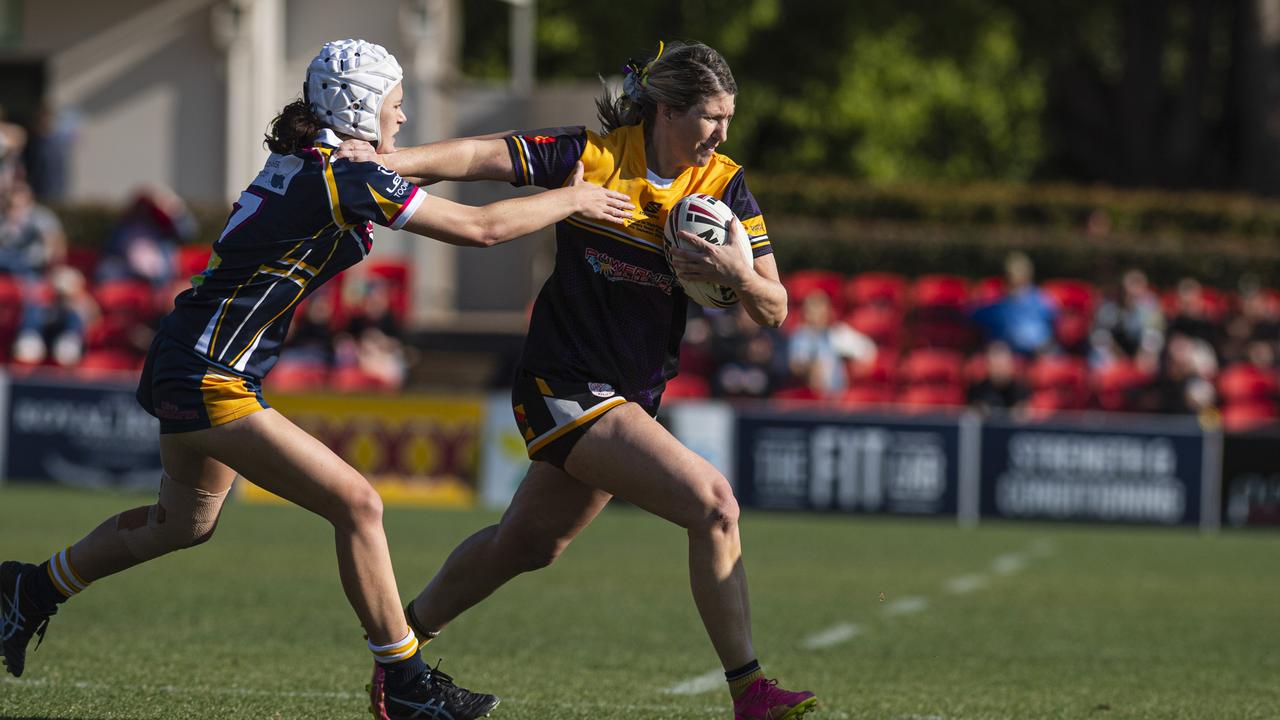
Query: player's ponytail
point(679, 75)
point(295, 128)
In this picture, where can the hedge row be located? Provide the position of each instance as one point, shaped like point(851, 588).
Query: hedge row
point(1053, 206)
point(916, 248)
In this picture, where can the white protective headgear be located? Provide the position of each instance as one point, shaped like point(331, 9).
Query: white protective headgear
point(346, 84)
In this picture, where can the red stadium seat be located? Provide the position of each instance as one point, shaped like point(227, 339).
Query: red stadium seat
point(949, 291)
point(109, 360)
point(353, 379)
point(83, 259)
point(802, 282)
point(867, 395)
point(193, 259)
point(1116, 383)
point(875, 288)
point(987, 291)
point(687, 385)
point(132, 298)
point(1218, 304)
point(396, 273)
point(1058, 383)
point(1075, 296)
point(880, 372)
point(929, 396)
point(1238, 417)
point(10, 314)
point(295, 377)
point(934, 367)
point(1243, 382)
point(1071, 329)
point(880, 323)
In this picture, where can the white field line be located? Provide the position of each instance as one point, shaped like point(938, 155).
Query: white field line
point(965, 584)
point(832, 636)
point(698, 685)
point(1008, 564)
point(906, 606)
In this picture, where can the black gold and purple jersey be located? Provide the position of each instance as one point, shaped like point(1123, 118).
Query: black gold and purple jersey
point(612, 310)
point(302, 220)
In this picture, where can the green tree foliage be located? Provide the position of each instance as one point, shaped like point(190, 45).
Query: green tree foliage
point(849, 88)
point(1167, 93)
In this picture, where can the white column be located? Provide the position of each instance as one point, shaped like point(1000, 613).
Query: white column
point(523, 46)
point(430, 31)
point(251, 33)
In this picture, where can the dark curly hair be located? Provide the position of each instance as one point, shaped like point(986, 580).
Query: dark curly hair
point(295, 128)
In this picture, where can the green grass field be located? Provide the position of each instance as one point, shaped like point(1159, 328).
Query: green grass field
point(1002, 621)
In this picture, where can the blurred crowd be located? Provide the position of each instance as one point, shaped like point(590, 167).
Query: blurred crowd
point(1001, 343)
point(91, 306)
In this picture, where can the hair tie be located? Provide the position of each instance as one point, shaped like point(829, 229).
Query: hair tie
point(635, 77)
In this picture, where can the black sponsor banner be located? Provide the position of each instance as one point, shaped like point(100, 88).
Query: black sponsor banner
point(85, 435)
point(1251, 480)
point(848, 463)
point(1144, 471)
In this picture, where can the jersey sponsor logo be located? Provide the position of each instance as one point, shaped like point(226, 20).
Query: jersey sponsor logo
point(538, 139)
point(603, 390)
point(754, 226)
point(278, 172)
point(398, 187)
point(615, 270)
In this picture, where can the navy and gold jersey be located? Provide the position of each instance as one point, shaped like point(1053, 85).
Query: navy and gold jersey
point(612, 310)
point(302, 220)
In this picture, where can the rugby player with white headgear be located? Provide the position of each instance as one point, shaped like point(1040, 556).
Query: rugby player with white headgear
point(305, 217)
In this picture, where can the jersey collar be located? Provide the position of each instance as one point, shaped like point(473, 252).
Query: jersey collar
point(328, 138)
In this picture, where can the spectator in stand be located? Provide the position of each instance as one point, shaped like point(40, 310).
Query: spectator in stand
point(1191, 316)
point(1186, 384)
point(1257, 321)
point(31, 238)
point(67, 318)
point(48, 148)
point(373, 335)
point(31, 244)
point(145, 242)
point(818, 348)
point(749, 358)
point(1001, 388)
point(1023, 318)
point(12, 141)
point(1129, 324)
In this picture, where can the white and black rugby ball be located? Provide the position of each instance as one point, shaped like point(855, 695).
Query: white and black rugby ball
point(708, 218)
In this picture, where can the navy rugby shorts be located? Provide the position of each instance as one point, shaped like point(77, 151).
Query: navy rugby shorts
point(554, 414)
point(185, 393)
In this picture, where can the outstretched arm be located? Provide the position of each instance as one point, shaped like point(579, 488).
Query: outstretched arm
point(499, 222)
point(483, 157)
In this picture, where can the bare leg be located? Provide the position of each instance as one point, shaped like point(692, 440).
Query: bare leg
point(277, 455)
point(627, 453)
point(547, 512)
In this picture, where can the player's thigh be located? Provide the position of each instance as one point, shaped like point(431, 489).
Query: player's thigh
point(629, 454)
point(192, 468)
point(550, 507)
point(267, 449)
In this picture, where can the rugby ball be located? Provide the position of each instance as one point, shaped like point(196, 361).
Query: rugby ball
point(708, 218)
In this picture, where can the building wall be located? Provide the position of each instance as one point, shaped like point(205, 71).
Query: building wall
point(148, 82)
